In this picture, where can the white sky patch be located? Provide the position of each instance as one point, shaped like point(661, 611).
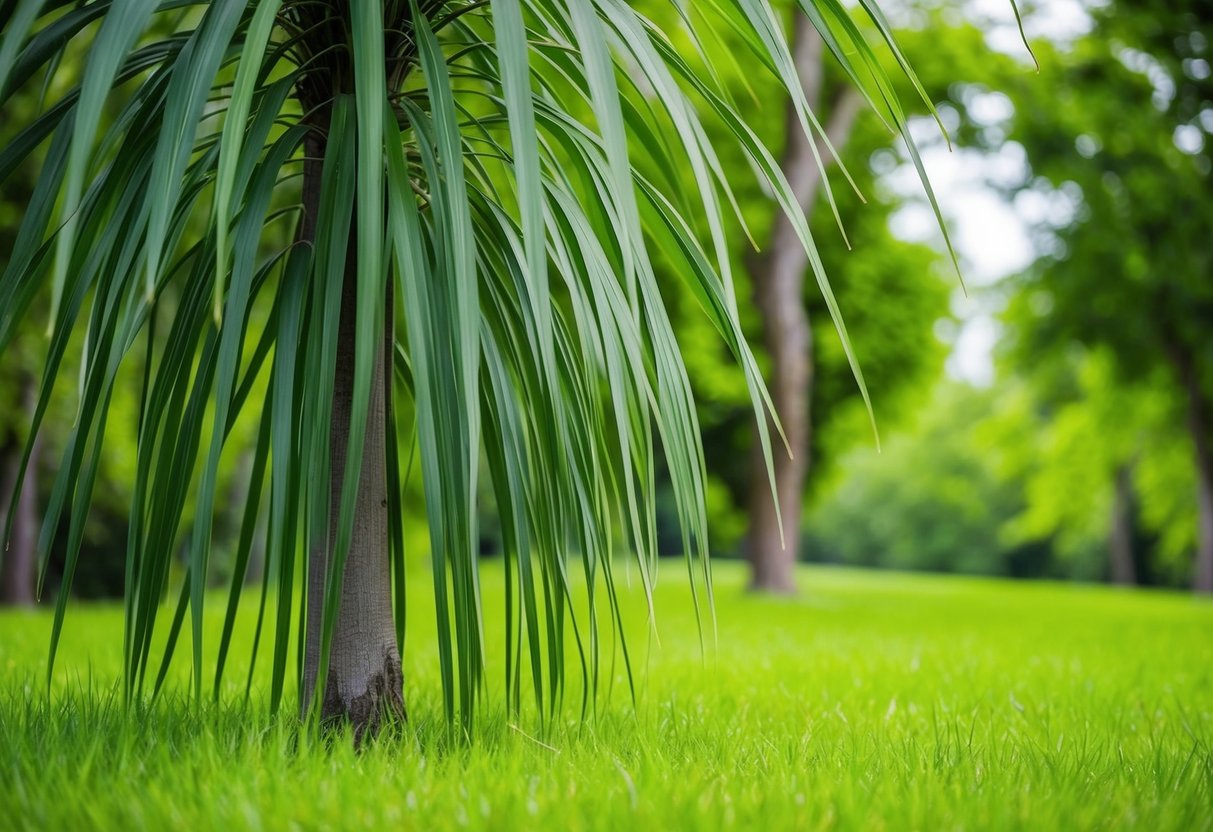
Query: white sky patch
point(1060, 21)
point(989, 234)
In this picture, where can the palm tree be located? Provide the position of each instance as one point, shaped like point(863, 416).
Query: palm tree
point(234, 191)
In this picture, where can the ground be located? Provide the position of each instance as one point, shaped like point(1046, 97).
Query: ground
point(872, 701)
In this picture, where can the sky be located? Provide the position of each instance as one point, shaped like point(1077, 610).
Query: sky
point(990, 235)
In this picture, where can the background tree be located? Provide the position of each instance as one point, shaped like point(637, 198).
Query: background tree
point(470, 164)
point(17, 564)
point(777, 278)
point(18, 389)
point(892, 292)
point(1094, 435)
point(1127, 269)
point(1084, 370)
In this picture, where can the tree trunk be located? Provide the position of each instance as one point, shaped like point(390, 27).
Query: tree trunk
point(772, 541)
point(778, 286)
point(17, 559)
point(364, 683)
point(1120, 537)
point(1199, 428)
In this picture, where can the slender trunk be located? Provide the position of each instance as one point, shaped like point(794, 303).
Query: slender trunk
point(1202, 456)
point(364, 681)
point(778, 285)
point(1203, 577)
point(1120, 537)
point(772, 541)
point(17, 559)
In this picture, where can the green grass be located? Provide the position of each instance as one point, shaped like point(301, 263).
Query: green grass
point(873, 701)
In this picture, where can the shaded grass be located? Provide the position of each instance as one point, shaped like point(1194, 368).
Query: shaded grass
point(872, 701)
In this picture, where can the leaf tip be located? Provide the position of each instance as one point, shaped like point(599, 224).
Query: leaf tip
point(964, 287)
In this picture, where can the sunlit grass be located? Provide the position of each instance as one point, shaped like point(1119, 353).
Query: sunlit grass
point(873, 701)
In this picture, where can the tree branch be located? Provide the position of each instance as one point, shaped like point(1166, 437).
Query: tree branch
point(801, 152)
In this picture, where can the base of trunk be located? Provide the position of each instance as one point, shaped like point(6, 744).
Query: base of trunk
point(380, 702)
point(772, 587)
point(772, 566)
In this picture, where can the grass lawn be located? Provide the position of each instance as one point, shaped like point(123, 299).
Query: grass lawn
point(872, 701)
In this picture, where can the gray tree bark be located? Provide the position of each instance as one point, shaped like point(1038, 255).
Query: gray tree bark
point(364, 684)
point(778, 288)
point(1120, 537)
point(18, 557)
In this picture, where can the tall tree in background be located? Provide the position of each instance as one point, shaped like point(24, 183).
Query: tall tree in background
point(472, 164)
point(1092, 438)
point(18, 399)
point(21, 515)
point(1120, 528)
point(1128, 268)
point(777, 279)
point(778, 275)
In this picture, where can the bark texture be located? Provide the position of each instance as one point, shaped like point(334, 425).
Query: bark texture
point(17, 558)
point(364, 683)
point(1120, 537)
point(778, 286)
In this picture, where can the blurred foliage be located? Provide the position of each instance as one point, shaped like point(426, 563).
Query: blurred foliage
point(1095, 334)
point(993, 481)
point(99, 573)
point(1069, 469)
point(1112, 321)
point(931, 499)
point(891, 292)
point(1128, 265)
point(105, 532)
point(1016, 479)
